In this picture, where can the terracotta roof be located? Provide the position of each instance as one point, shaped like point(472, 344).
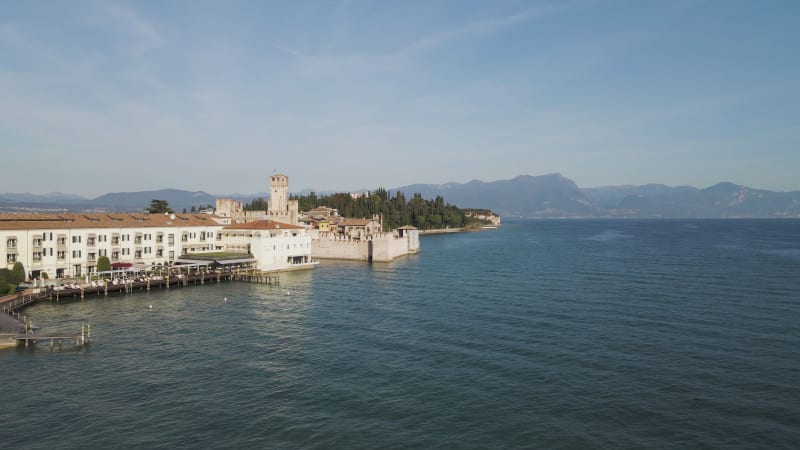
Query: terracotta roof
point(15, 221)
point(263, 225)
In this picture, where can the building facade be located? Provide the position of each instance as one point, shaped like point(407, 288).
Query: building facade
point(69, 245)
point(274, 245)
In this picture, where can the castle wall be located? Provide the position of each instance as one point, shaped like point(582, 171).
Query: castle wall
point(327, 246)
point(382, 246)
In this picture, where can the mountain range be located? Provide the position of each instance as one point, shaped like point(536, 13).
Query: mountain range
point(549, 196)
point(544, 196)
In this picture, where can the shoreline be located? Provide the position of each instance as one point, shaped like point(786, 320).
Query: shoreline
point(457, 230)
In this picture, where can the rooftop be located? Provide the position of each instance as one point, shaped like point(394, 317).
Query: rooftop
point(263, 225)
point(14, 221)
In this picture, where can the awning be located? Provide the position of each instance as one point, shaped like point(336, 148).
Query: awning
point(236, 261)
point(120, 265)
point(200, 262)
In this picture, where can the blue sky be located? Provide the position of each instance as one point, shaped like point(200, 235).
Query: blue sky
point(340, 95)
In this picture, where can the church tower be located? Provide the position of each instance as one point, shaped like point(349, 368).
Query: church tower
point(278, 195)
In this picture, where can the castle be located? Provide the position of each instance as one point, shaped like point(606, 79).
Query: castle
point(279, 209)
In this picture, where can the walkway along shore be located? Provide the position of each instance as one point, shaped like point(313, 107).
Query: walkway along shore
point(16, 328)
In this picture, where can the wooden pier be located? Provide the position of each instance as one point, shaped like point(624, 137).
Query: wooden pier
point(78, 339)
point(16, 322)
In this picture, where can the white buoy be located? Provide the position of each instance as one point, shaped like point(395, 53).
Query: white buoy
point(226, 299)
point(151, 306)
point(288, 293)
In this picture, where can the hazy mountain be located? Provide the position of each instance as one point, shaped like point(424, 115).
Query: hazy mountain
point(51, 198)
point(556, 196)
point(138, 201)
point(610, 196)
point(524, 196)
point(719, 200)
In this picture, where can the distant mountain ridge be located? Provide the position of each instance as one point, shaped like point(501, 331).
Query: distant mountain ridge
point(526, 196)
point(552, 195)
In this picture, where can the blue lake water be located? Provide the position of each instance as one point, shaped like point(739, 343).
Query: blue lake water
point(554, 334)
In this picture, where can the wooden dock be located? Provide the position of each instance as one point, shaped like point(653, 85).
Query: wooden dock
point(21, 328)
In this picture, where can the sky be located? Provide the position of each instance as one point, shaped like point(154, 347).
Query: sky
point(106, 96)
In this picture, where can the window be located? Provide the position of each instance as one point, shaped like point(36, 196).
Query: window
point(171, 240)
point(115, 240)
point(172, 254)
point(126, 237)
point(138, 240)
point(148, 250)
point(76, 253)
point(12, 243)
point(90, 241)
point(76, 239)
point(148, 237)
point(137, 254)
point(102, 252)
point(37, 242)
point(160, 253)
point(37, 256)
point(159, 238)
point(61, 255)
point(61, 240)
point(11, 258)
point(126, 251)
point(114, 256)
point(91, 256)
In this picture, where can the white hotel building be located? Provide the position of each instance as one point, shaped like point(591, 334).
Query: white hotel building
point(68, 245)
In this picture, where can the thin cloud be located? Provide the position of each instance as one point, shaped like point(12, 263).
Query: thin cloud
point(476, 29)
point(322, 65)
point(145, 36)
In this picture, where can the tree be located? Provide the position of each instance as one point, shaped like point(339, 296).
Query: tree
point(5, 276)
point(193, 210)
point(159, 207)
point(103, 264)
point(19, 273)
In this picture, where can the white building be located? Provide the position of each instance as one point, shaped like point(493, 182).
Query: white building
point(275, 245)
point(68, 245)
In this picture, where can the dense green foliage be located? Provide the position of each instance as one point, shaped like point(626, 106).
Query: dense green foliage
point(9, 280)
point(19, 272)
point(159, 207)
point(259, 204)
point(396, 210)
point(103, 264)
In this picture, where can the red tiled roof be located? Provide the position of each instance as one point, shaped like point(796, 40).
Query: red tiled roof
point(263, 225)
point(13, 221)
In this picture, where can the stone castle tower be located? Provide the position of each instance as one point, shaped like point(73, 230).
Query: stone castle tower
point(279, 207)
point(278, 194)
